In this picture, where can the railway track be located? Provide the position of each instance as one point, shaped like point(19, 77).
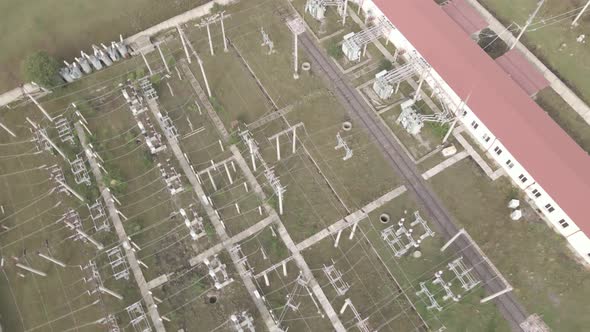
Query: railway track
point(355, 105)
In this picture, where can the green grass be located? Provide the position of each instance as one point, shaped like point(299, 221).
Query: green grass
point(537, 262)
point(64, 28)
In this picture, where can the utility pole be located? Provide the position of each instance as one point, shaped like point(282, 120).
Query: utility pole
point(188, 57)
point(575, 22)
point(163, 58)
point(223, 33)
point(345, 12)
point(528, 22)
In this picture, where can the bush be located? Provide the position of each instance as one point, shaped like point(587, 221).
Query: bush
point(335, 50)
point(385, 65)
point(216, 104)
point(43, 69)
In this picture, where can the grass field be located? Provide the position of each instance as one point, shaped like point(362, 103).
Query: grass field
point(64, 28)
point(321, 189)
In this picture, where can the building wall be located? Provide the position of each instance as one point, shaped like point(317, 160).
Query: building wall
point(555, 216)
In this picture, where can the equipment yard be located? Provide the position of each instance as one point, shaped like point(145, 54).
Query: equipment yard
point(243, 171)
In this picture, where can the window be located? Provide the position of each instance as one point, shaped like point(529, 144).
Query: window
point(523, 178)
point(549, 208)
point(474, 124)
point(563, 223)
point(486, 137)
point(498, 150)
point(536, 193)
point(509, 163)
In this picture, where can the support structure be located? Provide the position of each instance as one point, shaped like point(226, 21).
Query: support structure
point(210, 20)
point(218, 272)
point(297, 27)
point(341, 143)
point(361, 324)
point(317, 8)
point(335, 278)
point(138, 318)
point(354, 45)
point(388, 82)
point(266, 41)
point(242, 321)
point(276, 137)
point(118, 263)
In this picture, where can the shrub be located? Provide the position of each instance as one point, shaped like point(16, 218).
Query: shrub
point(43, 69)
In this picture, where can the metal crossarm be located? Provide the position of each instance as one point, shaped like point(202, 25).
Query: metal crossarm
point(463, 273)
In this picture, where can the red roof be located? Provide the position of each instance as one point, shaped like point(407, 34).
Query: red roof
point(465, 15)
point(522, 72)
point(556, 162)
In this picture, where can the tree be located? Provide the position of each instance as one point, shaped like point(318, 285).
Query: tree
point(41, 68)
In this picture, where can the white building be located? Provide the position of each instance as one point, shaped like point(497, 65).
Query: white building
point(534, 151)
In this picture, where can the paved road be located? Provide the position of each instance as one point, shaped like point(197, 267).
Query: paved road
point(122, 235)
point(512, 311)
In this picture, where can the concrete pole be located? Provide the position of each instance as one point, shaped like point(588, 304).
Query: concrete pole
point(285, 269)
point(68, 188)
point(103, 289)
point(353, 230)
point(346, 303)
point(163, 58)
point(204, 77)
point(32, 270)
point(397, 87)
point(61, 153)
point(344, 12)
point(238, 208)
point(294, 138)
point(461, 231)
point(210, 41)
point(495, 295)
point(575, 22)
point(266, 281)
point(252, 154)
point(211, 179)
point(360, 7)
point(419, 88)
point(450, 129)
point(278, 149)
point(231, 181)
point(147, 64)
point(528, 22)
point(295, 57)
point(91, 240)
point(188, 57)
point(39, 106)
point(223, 33)
point(8, 130)
point(280, 201)
point(337, 239)
point(51, 259)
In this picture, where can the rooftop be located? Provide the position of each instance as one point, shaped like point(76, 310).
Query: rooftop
point(555, 161)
